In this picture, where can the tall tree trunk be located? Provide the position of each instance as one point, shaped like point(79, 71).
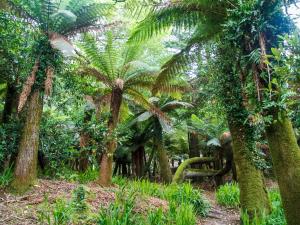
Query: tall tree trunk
point(10, 103)
point(26, 164)
point(138, 160)
point(164, 164)
point(253, 194)
point(105, 176)
point(286, 162)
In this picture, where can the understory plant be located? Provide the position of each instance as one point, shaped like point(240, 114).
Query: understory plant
point(228, 195)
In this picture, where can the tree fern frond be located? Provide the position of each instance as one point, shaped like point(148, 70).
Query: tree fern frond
point(140, 99)
point(110, 54)
point(95, 73)
point(22, 10)
point(87, 16)
point(179, 62)
point(175, 105)
point(94, 55)
point(180, 16)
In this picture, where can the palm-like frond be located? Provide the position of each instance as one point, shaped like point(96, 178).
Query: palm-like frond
point(184, 14)
point(61, 16)
point(175, 105)
point(100, 77)
point(97, 58)
point(142, 101)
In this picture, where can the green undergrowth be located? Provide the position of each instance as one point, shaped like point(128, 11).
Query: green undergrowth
point(175, 193)
point(183, 205)
point(6, 177)
point(228, 195)
point(276, 217)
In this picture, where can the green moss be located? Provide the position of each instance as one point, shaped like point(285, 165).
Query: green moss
point(179, 172)
point(286, 162)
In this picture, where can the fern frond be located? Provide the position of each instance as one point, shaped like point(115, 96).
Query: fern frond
point(138, 98)
point(86, 15)
point(94, 55)
point(98, 75)
point(175, 105)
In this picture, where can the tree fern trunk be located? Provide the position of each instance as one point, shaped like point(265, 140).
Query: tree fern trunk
point(164, 164)
point(286, 162)
point(26, 164)
point(105, 176)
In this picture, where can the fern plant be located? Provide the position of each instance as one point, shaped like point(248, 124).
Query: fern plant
point(126, 79)
point(155, 127)
point(53, 21)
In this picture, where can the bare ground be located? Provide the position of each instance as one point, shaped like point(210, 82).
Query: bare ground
point(22, 210)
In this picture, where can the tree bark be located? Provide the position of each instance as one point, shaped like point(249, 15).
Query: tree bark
point(84, 156)
point(286, 162)
point(253, 194)
point(105, 176)
point(138, 161)
point(25, 172)
point(164, 164)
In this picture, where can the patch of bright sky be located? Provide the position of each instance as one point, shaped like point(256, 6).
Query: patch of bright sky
point(294, 12)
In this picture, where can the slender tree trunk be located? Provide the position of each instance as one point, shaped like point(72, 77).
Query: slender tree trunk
point(84, 156)
point(253, 194)
point(286, 162)
point(105, 176)
point(138, 161)
point(26, 164)
point(164, 164)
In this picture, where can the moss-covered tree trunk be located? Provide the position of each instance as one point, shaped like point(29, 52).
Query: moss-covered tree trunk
point(253, 194)
point(25, 172)
point(286, 163)
point(164, 164)
point(106, 170)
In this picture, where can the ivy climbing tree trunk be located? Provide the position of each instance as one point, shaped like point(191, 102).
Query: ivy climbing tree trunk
point(25, 172)
point(106, 170)
point(253, 194)
point(286, 163)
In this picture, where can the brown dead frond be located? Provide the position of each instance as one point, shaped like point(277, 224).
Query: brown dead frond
point(49, 80)
point(28, 86)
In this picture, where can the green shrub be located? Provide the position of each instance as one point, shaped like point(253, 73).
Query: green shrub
point(276, 217)
point(6, 177)
point(185, 215)
point(156, 217)
point(228, 195)
point(120, 212)
point(186, 194)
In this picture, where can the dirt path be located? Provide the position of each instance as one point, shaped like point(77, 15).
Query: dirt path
point(219, 215)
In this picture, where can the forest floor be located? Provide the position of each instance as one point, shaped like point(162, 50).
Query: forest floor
point(23, 210)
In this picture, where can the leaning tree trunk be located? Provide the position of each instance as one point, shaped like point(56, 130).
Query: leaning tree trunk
point(164, 164)
point(25, 172)
point(286, 162)
point(106, 170)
